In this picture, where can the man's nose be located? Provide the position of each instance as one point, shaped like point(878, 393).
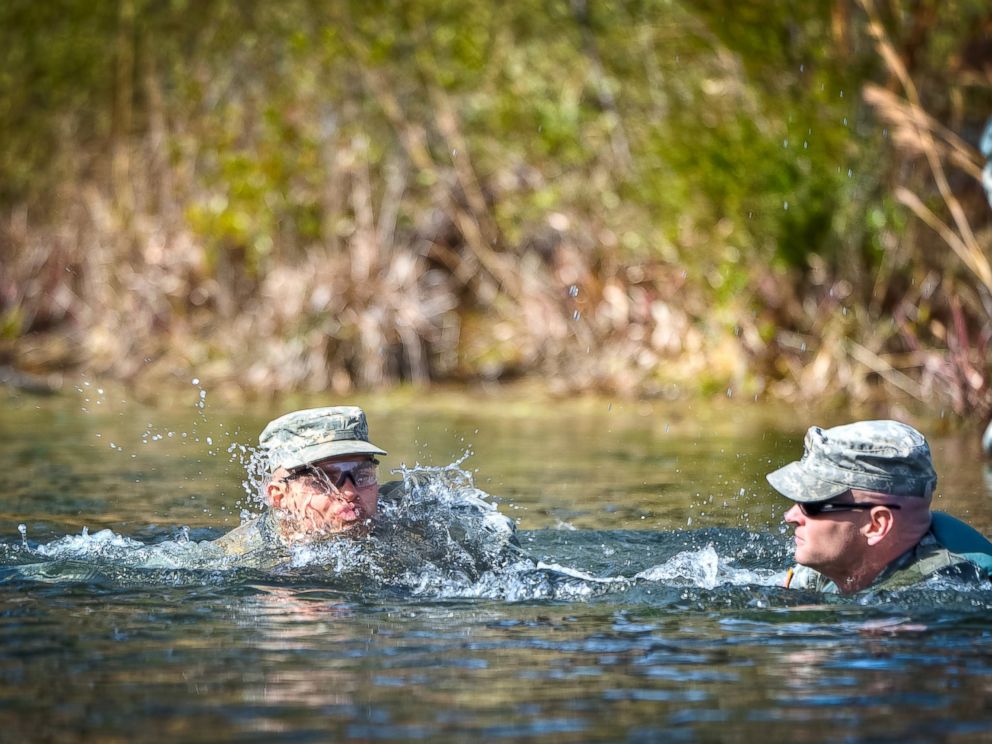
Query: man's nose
point(794, 515)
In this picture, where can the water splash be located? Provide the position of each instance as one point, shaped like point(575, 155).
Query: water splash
point(441, 537)
point(706, 569)
point(102, 544)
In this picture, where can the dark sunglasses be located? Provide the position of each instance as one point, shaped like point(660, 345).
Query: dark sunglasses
point(817, 508)
point(362, 473)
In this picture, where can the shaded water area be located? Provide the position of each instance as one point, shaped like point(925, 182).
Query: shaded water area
point(643, 604)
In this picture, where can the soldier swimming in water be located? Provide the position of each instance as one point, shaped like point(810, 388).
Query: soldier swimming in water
point(322, 486)
point(862, 515)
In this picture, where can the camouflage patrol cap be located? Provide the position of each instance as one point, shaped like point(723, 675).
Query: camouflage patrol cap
point(314, 434)
point(882, 456)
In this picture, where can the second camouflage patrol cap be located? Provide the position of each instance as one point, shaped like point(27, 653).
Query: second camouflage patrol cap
point(314, 434)
point(882, 456)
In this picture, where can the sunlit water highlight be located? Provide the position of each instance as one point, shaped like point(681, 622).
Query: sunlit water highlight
point(443, 539)
point(642, 604)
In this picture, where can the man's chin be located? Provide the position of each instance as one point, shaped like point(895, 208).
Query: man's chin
point(808, 561)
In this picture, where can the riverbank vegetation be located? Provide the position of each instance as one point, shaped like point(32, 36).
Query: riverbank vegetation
point(656, 199)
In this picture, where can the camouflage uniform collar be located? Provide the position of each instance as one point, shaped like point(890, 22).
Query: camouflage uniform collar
point(926, 547)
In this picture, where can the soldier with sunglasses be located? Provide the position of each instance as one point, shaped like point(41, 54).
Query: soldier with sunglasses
point(862, 515)
point(322, 481)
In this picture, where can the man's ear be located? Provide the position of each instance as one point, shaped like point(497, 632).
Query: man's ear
point(275, 492)
point(880, 524)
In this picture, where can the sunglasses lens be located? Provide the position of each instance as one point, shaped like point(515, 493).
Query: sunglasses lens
point(364, 475)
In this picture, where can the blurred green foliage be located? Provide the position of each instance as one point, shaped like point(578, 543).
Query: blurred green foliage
point(703, 112)
point(720, 137)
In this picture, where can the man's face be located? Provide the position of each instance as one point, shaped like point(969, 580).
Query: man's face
point(328, 497)
point(830, 542)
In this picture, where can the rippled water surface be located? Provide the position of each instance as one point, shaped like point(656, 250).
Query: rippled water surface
point(643, 604)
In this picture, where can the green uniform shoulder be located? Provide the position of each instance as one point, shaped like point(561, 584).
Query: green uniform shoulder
point(929, 558)
point(962, 539)
point(241, 539)
point(254, 544)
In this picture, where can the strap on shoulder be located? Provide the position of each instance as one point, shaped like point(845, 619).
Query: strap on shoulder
point(962, 539)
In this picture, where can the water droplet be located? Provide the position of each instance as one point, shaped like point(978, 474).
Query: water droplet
point(575, 315)
point(785, 206)
point(196, 380)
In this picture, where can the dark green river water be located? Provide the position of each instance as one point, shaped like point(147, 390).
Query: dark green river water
point(648, 608)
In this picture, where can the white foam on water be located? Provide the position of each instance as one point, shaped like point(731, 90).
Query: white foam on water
point(441, 537)
point(705, 569)
point(85, 545)
point(577, 574)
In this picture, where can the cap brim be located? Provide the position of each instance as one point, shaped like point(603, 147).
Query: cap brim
point(795, 482)
point(325, 450)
